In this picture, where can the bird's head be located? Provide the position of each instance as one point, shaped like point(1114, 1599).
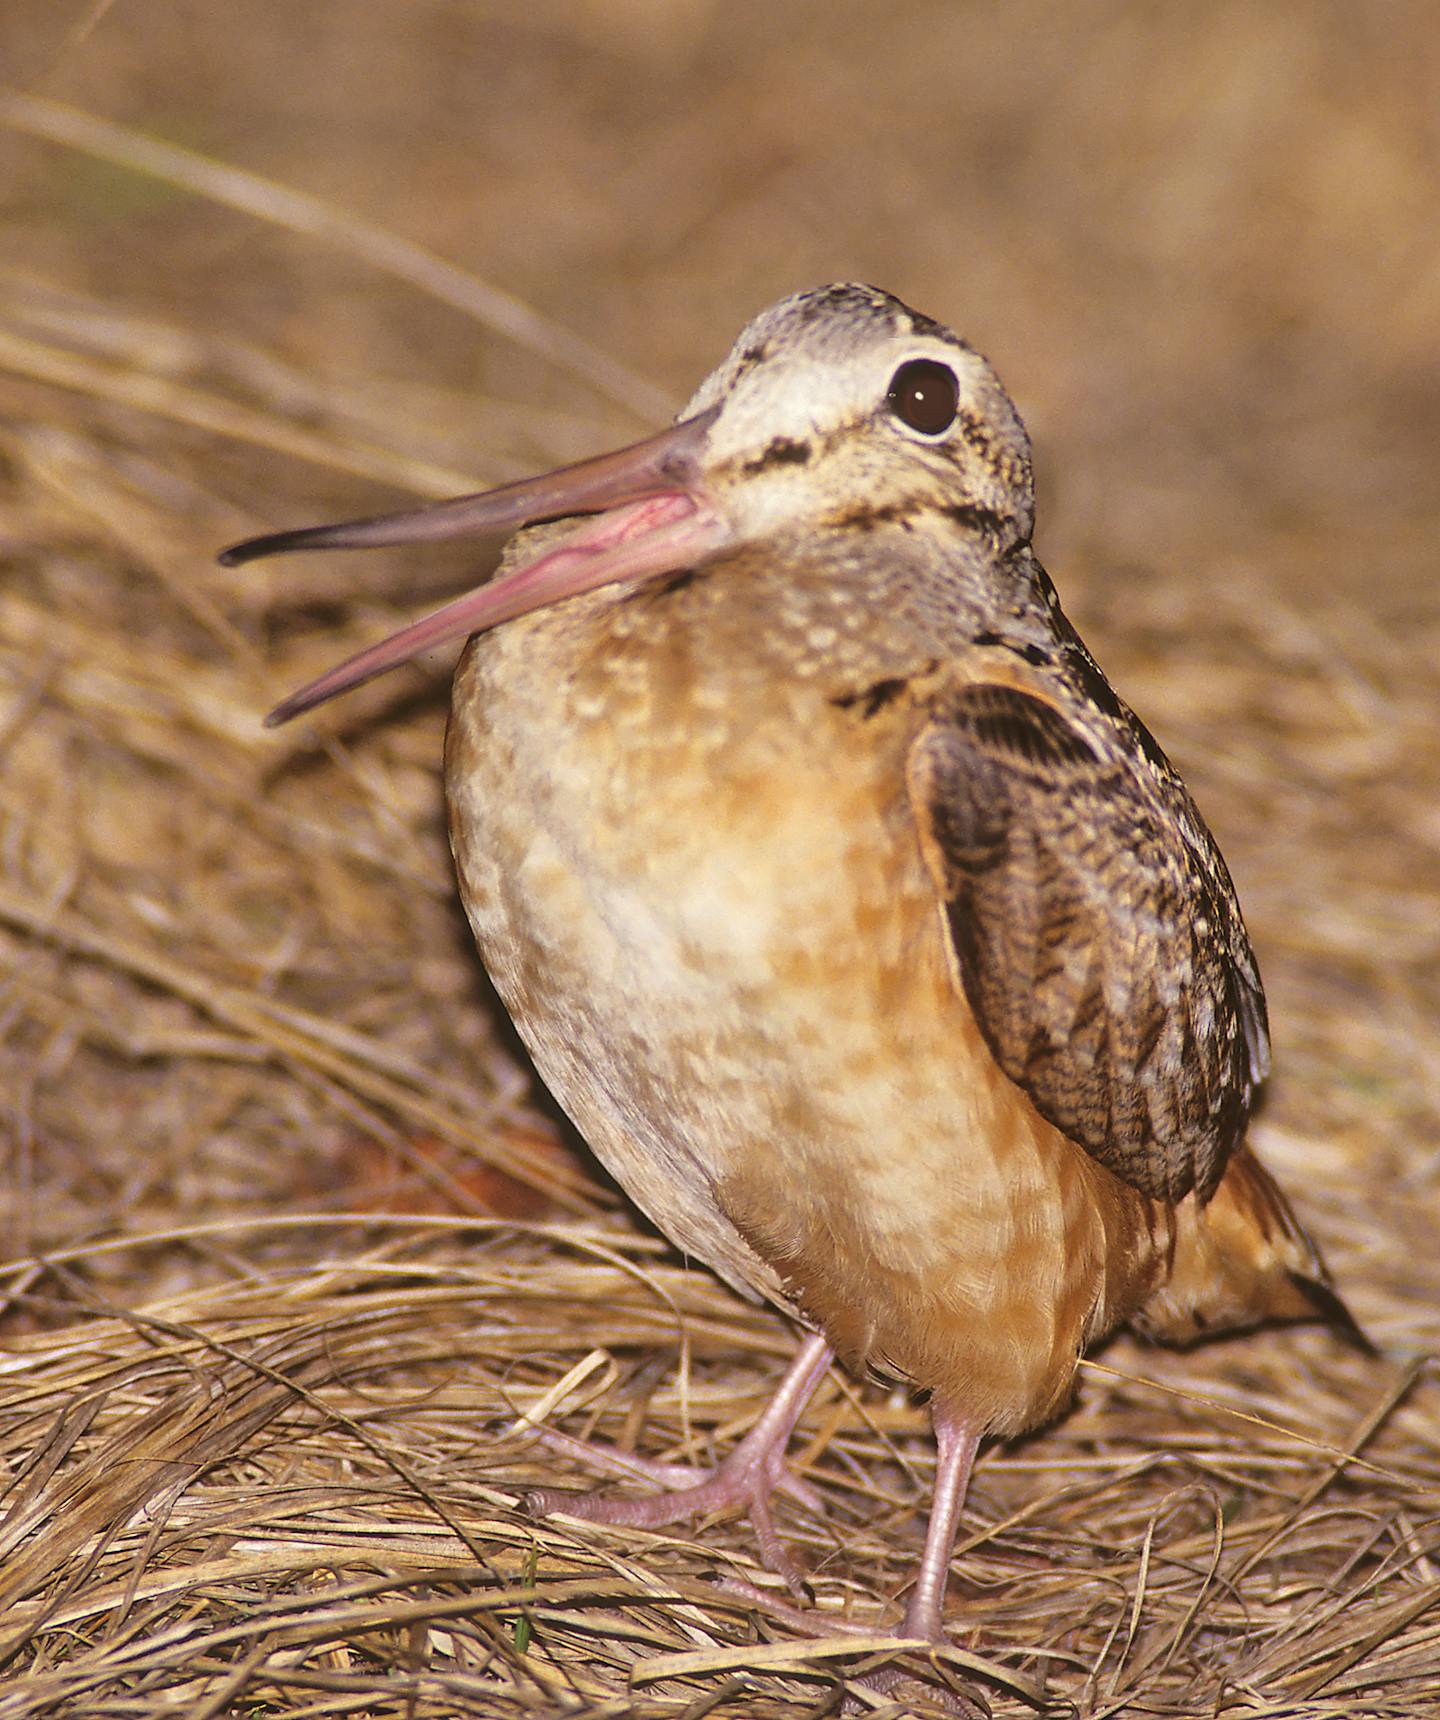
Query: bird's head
point(842, 407)
point(837, 409)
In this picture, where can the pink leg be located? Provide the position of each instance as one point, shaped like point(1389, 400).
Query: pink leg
point(925, 1612)
point(955, 1455)
point(748, 1476)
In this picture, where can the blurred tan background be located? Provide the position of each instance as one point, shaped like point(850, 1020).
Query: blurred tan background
point(1200, 244)
point(461, 240)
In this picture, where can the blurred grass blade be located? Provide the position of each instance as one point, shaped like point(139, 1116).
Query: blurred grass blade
point(282, 206)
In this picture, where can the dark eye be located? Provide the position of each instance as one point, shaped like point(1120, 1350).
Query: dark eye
point(924, 394)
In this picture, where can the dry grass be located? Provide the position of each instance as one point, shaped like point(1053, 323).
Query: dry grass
point(293, 1238)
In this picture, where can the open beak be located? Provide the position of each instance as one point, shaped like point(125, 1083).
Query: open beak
point(654, 516)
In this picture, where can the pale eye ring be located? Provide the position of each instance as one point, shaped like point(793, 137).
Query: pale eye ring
point(924, 395)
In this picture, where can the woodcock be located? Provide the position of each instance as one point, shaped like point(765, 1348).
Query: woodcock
point(867, 936)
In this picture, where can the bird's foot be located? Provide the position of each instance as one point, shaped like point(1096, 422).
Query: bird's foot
point(747, 1477)
point(753, 1471)
point(951, 1698)
point(895, 1681)
point(956, 1444)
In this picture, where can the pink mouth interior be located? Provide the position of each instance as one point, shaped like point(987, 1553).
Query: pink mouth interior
point(662, 533)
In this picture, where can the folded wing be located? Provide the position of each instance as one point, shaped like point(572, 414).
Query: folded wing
point(1096, 934)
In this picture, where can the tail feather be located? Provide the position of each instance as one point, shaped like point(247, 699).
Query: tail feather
point(1325, 1304)
point(1241, 1259)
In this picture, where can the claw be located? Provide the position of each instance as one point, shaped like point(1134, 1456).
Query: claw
point(748, 1477)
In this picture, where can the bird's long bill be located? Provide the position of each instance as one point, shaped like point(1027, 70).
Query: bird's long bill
point(655, 517)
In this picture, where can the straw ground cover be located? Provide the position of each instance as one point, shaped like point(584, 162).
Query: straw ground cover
point(298, 1255)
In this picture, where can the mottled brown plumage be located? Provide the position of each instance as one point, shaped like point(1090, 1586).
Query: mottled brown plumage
point(868, 937)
